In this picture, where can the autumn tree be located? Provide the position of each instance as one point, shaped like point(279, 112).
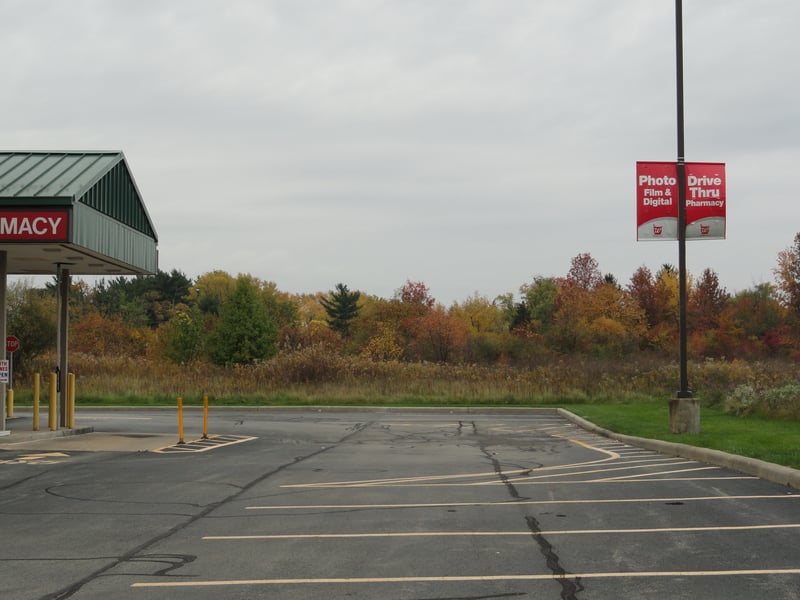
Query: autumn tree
point(658, 297)
point(31, 314)
point(341, 306)
point(385, 344)
point(380, 330)
point(584, 272)
point(787, 274)
point(436, 335)
point(182, 337)
point(416, 293)
point(103, 335)
point(211, 290)
point(485, 327)
point(706, 301)
point(755, 320)
point(539, 298)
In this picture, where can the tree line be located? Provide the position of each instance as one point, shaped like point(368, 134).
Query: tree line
point(239, 320)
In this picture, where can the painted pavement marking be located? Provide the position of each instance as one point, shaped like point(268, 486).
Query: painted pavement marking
point(204, 445)
point(466, 578)
point(517, 503)
point(414, 534)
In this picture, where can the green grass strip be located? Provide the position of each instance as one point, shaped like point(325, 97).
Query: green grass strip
point(773, 440)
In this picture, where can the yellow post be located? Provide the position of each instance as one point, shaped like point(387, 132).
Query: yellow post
point(9, 402)
point(205, 417)
point(51, 416)
point(36, 385)
point(71, 400)
point(180, 421)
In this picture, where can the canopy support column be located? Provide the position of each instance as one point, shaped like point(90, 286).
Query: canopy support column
point(3, 329)
point(62, 342)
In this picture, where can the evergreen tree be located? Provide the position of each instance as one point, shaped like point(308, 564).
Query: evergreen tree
point(341, 308)
point(521, 317)
point(245, 332)
point(141, 300)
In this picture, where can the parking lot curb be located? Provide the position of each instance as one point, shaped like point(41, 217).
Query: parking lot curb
point(750, 466)
point(17, 437)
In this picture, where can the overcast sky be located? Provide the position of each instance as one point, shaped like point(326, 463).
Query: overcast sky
point(471, 145)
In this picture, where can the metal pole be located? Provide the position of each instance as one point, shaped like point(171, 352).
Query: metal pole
point(71, 400)
point(180, 420)
point(3, 290)
point(205, 417)
point(51, 403)
point(37, 382)
point(63, 343)
point(684, 391)
point(684, 411)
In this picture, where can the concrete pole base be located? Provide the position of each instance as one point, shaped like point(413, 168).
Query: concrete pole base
point(684, 415)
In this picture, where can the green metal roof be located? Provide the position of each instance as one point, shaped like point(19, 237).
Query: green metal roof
point(110, 229)
point(100, 180)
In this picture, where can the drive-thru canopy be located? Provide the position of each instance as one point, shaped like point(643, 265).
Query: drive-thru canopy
point(68, 213)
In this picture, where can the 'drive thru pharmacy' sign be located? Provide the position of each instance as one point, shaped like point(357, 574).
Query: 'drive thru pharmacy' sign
point(657, 201)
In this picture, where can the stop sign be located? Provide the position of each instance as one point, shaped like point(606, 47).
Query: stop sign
point(12, 343)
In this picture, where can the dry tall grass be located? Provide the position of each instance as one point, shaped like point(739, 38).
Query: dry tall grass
point(321, 376)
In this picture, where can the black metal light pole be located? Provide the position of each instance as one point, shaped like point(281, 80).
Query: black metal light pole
point(684, 412)
point(684, 391)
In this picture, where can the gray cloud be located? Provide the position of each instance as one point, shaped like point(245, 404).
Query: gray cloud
point(468, 144)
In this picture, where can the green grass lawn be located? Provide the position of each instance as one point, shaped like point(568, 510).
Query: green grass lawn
point(772, 440)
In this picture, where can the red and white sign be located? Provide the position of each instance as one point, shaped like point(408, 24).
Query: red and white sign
point(34, 226)
point(657, 201)
point(12, 343)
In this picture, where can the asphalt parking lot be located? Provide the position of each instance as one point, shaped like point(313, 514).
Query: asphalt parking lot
point(407, 505)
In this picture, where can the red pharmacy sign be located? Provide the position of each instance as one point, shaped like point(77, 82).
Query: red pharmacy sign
point(657, 201)
point(34, 225)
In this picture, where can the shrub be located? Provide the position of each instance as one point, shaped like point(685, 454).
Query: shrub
point(742, 401)
point(783, 401)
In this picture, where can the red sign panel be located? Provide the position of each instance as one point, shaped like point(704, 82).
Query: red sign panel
point(657, 201)
point(34, 226)
point(12, 343)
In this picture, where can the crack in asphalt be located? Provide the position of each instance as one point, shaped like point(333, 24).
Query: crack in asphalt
point(51, 492)
point(569, 587)
point(135, 554)
point(173, 562)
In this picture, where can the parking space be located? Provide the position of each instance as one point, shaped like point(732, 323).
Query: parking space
point(424, 505)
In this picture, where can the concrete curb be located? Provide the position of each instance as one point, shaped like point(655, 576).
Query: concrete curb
point(751, 466)
point(17, 437)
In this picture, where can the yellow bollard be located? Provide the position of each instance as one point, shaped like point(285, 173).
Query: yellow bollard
point(36, 385)
point(9, 403)
point(180, 421)
point(205, 417)
point(51, 415)
point(71, 400)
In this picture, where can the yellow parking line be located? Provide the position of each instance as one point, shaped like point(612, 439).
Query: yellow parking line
point(324, 536)
point(516, 503)
point(465, 578)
